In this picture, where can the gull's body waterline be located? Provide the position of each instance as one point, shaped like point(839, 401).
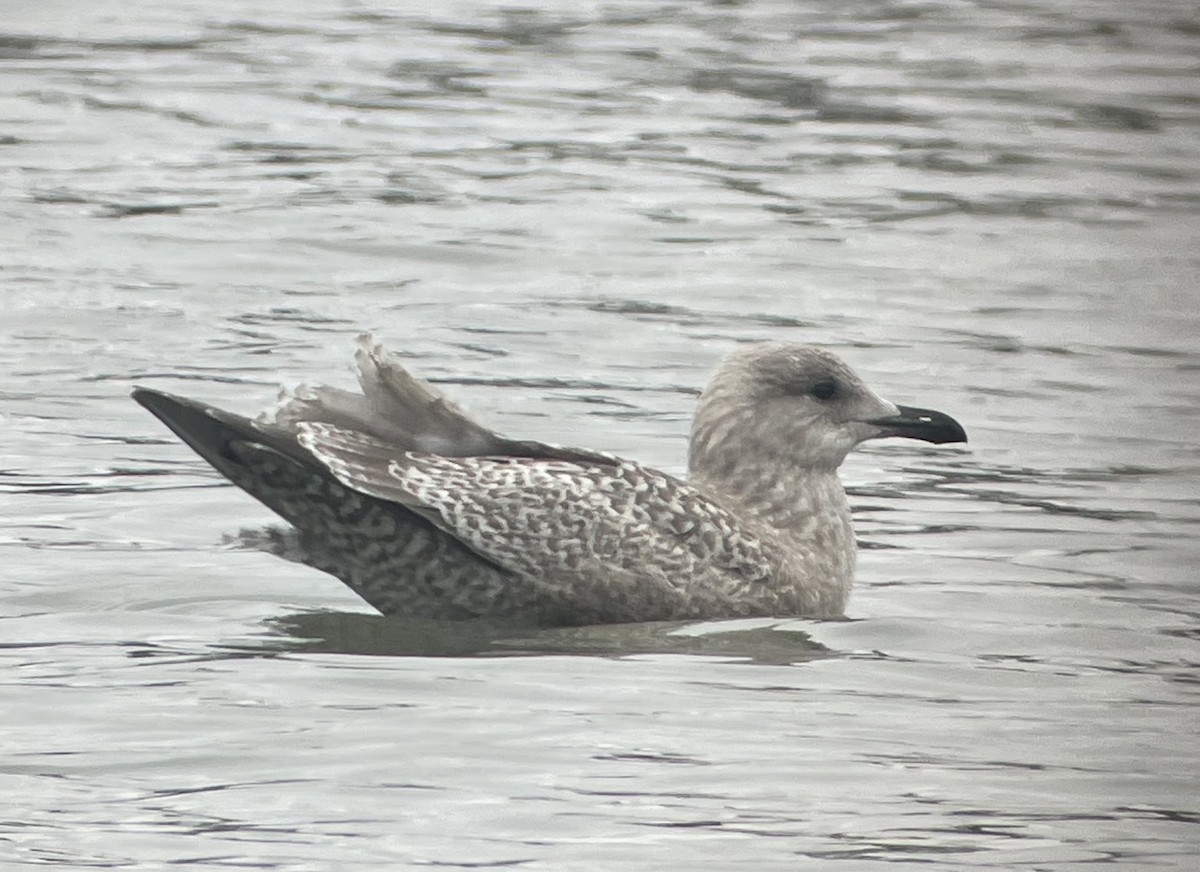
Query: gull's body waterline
point(425, 512)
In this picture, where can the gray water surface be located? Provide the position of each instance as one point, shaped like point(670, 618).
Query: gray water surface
point(564, 214)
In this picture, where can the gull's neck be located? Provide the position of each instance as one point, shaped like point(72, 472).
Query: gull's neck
point(804, 512)
point(786, 501)
point(748, 464)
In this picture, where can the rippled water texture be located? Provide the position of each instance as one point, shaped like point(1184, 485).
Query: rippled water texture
point(566, 213)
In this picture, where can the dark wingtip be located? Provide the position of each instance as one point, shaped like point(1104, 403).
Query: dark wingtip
point(204, 429)
point(178, 413)
point(210, 431)
point(155, 402)
point(145, 397)
point(153, 399)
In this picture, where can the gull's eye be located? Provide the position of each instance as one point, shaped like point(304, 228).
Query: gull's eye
point(825, 389)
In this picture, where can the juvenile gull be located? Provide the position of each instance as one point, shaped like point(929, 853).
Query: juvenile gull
point(426, 513)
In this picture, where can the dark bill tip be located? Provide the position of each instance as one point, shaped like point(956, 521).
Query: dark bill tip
point(924, 424)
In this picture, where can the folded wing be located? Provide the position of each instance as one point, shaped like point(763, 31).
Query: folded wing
point(590, 527)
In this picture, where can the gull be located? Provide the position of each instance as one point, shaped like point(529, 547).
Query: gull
point(426, 513)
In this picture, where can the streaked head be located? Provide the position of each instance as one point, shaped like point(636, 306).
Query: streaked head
point(800, 405)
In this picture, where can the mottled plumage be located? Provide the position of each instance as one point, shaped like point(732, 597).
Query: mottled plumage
point(424, 512)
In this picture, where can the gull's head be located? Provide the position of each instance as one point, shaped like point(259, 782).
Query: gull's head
point(797, 405)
